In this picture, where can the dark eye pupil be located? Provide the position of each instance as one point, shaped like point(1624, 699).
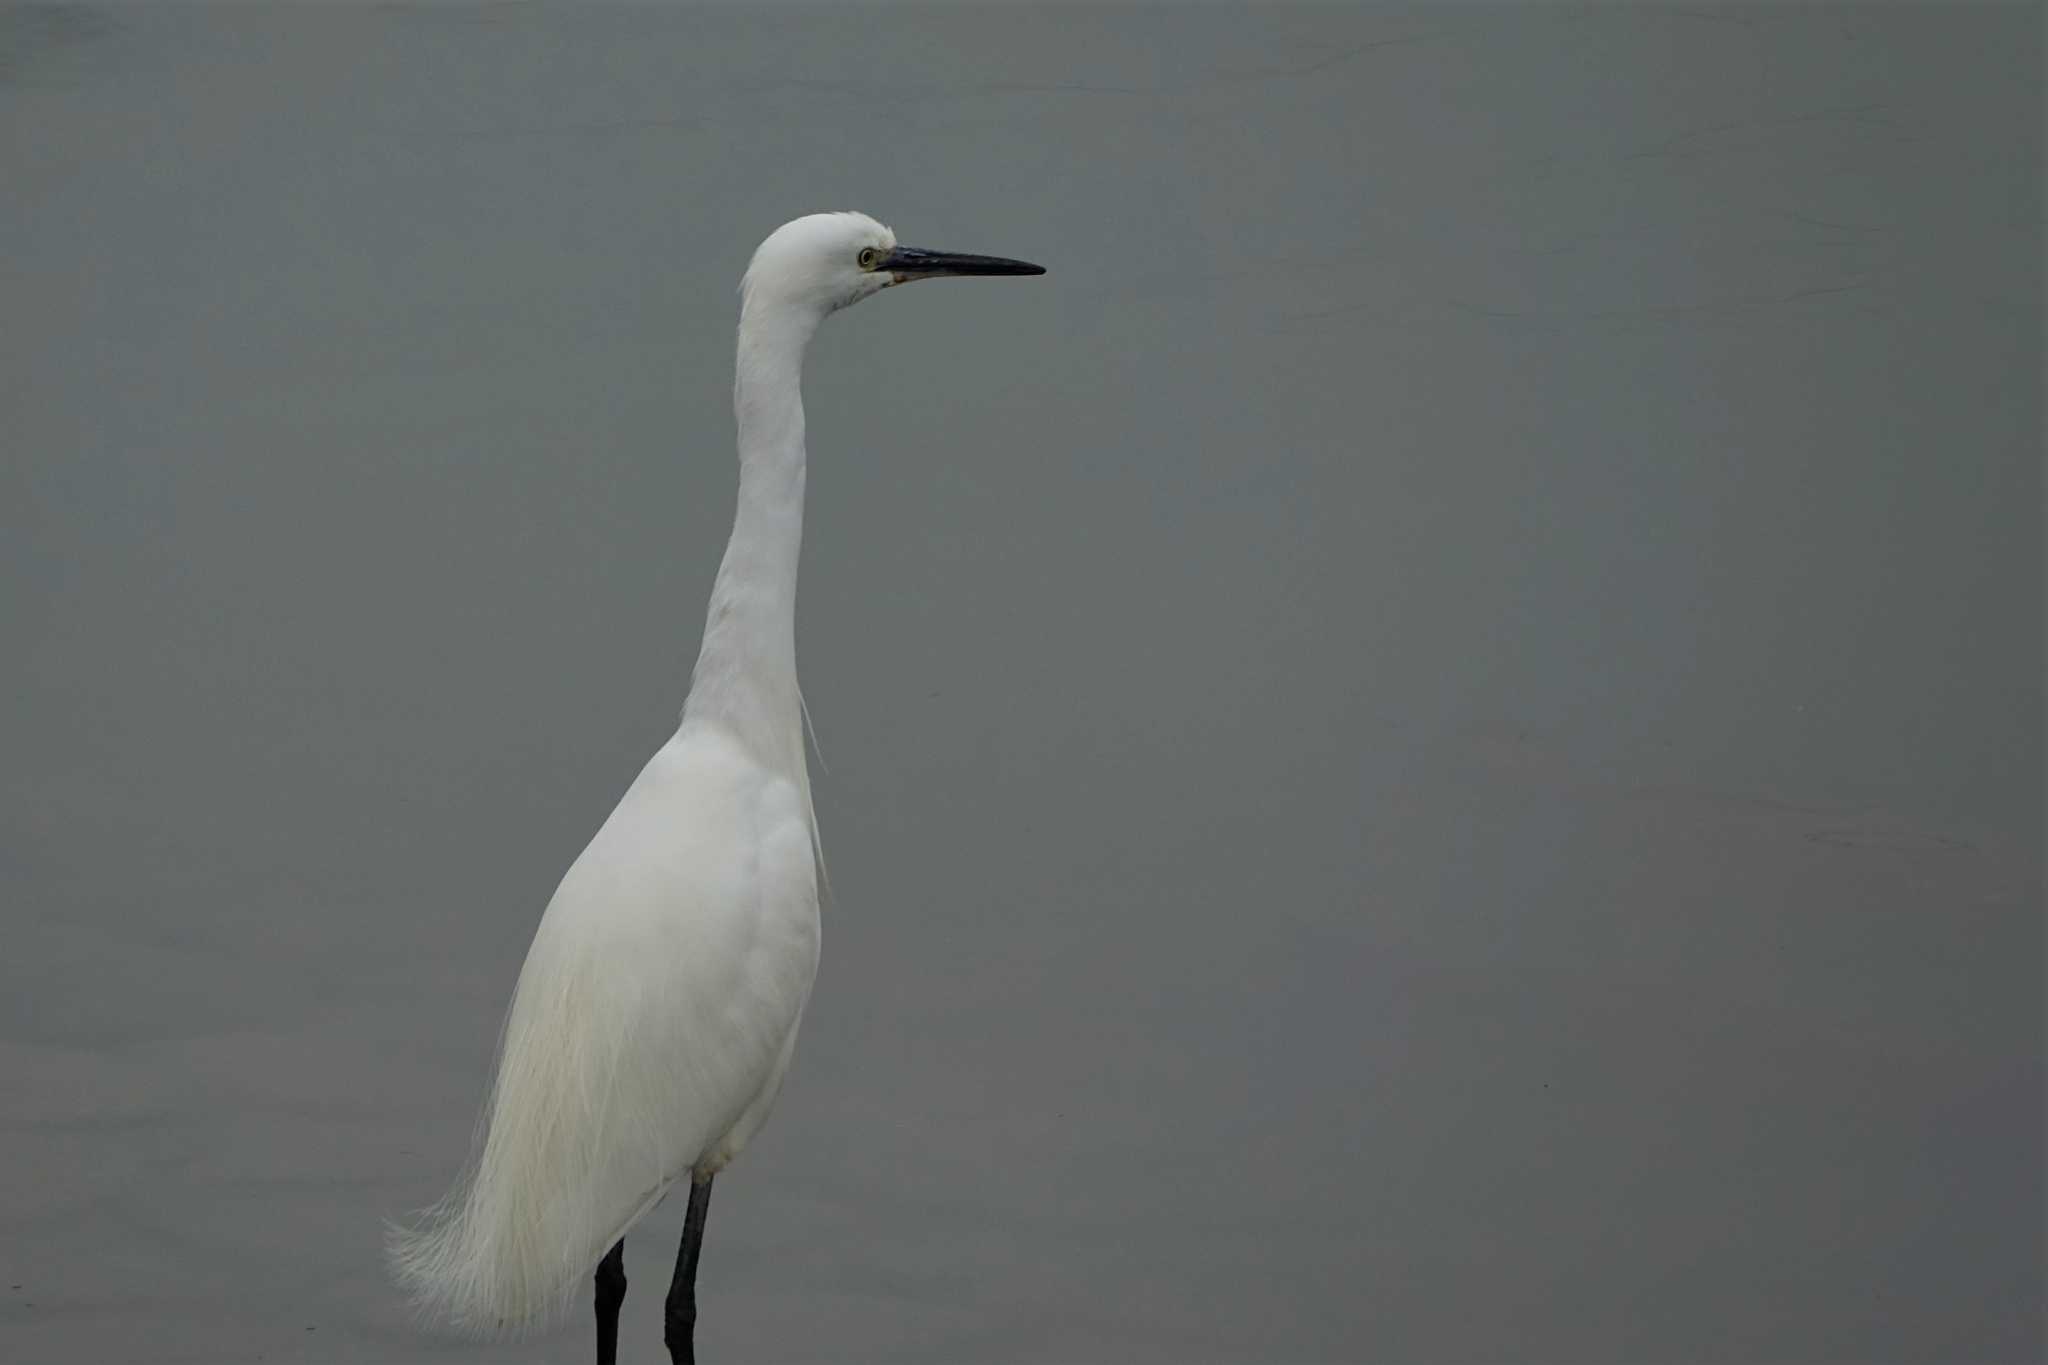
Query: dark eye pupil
point(867, 256)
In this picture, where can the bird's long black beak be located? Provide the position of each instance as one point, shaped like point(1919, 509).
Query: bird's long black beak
point(909, 263)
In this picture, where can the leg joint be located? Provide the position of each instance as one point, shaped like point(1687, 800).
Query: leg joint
point(679, 1329)
point(611, 1277)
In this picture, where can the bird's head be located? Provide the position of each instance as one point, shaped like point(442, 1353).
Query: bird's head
point(827, 261)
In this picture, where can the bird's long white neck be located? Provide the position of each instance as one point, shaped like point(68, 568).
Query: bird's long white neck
point(745, 679)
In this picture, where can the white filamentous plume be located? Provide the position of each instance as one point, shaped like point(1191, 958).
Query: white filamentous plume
point(658, 1007)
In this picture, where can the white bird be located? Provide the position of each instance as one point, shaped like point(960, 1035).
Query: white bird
point(659, 1004)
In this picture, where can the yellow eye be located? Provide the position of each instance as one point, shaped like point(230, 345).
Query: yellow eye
point(868, 257)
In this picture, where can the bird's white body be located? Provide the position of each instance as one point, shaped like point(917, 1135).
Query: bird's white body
point(650, 1030)
point(658, 1007)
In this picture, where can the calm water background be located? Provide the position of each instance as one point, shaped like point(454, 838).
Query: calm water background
point(1433, 744)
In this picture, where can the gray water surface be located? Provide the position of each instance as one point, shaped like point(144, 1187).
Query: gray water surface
point(1432, 747)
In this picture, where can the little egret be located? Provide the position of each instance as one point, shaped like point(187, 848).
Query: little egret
point(658, 1007)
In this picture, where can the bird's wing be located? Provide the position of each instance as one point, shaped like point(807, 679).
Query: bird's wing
point(656, 1004)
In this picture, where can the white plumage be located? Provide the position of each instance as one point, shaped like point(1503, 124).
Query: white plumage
point(658, 1007)
point(649, 1032)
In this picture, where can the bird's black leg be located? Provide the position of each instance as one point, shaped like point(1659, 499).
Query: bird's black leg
point(611, 1292)
point(679, 1316)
